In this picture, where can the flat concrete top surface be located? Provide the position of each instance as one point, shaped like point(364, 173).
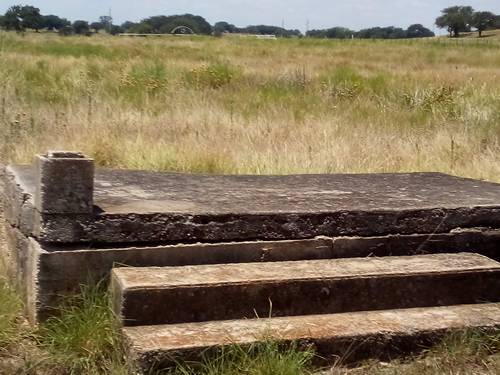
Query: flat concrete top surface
point(167, 277)
point(140, 192)
point(410, 321)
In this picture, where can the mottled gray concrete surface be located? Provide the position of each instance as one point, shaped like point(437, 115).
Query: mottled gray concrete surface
point(168, 295)
point(142, 192)
point(198, 276)
point(382, 334)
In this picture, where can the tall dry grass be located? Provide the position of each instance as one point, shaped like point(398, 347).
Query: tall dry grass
point(253, 106)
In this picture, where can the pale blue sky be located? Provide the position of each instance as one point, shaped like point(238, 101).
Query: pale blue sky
point(355, 14)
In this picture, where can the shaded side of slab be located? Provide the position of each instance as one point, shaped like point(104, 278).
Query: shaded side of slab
point(182, 228)
point(147, 296)
point(484, 241)
point(353, 336)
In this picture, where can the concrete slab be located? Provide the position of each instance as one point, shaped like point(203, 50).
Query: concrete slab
point(146, 296)
point(351, 336)
point(136, 206)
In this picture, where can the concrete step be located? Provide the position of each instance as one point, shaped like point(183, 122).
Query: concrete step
point(361, 335)
point(169, 295)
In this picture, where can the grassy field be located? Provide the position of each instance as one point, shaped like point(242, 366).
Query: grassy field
point(235, 105)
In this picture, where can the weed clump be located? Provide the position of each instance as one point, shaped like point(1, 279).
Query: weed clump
point(213, 76)
point(84, 337)
point(268, 358)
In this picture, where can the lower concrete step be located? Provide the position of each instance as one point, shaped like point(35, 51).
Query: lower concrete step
point(351, 336)
point(169, 295)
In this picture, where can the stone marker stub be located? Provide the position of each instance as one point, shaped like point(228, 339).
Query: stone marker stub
point(64, 183)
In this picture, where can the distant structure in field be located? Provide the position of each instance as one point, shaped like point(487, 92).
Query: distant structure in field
point(148, 35)
point(183, 30)
point(257, 36)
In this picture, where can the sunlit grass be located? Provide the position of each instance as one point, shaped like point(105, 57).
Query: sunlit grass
point(249, 106)
point(466, 352)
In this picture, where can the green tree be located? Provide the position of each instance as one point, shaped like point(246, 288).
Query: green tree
point(482, 21)
point(333, 33)
point(31, 17)
point(127, 26)
point(389, 32)
point(66, 30)
point(271, 30)
point(12, 18)
point(2, 21)
point(81, 27)
point(96, 26)
point(116, 29)
point(142, 28)
point(166, 24)
point(455, 19)
point(106, 22)
point(418, 31)
point(224, 27)
point(20, 17)
point(51, 22)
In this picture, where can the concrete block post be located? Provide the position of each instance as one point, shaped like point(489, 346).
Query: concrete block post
point(64, 183)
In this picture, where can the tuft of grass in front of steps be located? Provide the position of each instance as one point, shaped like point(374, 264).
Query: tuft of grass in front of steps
point(268, 358)
point(84, 338)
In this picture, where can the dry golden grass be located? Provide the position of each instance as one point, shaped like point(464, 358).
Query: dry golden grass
point(250, 106)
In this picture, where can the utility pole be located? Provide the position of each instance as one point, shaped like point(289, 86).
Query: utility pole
point(110, 23)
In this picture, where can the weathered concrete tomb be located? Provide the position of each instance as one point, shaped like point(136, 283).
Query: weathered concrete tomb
point(382, 263)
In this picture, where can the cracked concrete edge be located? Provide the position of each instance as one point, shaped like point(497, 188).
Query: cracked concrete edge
point(105, 228)
point(181, 228)
point(19, 209)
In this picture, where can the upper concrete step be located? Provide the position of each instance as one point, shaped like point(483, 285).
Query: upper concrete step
point(144, 296)
point(51, 272)
point(136, 206)
point(351, 336)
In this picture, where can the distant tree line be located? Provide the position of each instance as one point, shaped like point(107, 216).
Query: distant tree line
point(455, 20)
point(391, 32)
point(227, 28)
point(22, 17)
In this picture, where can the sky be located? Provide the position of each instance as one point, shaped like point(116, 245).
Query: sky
point(293, 14)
